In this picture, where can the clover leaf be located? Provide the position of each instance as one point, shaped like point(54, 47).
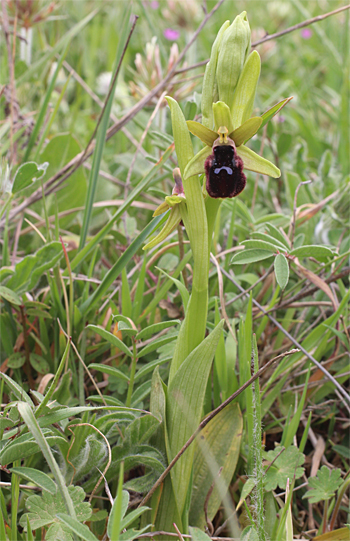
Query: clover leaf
point(43, 510)
point(324, 485)
point(286, 466)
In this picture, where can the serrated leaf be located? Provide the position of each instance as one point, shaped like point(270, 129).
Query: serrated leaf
point(250, 256)
point(110, 370)
point(281, 270)
point(324, 485)
point(43, 510)
point(26, 174)
point(10, 296)
point(157, 327)
point(312, 251)
point(286, 466)
point(254, 162)
point(38, 477)
point(113, 340)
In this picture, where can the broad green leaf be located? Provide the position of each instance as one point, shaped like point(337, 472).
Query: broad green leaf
point(38, 477)
point(10, 296)
point(272, 240)
point(250, 256)
point(266, 117)
point(217, 446)
point(147, 332)
point(155, 345)
point(198, 535)
point(110, 370)
point(204, 134)
point(244, 96)
point(281, 270)
point(184, 409)
point(312, 251)
point(277, 234)
point(59, 151)
point(324, 485)
point(77, 527)
point(254, 162)
point(29, 271)
point(246, 131)
point(111, 338)
point(5, 422)
point(260, 244)
point(43, 511)
point(26, 174)
point(222, 116)
point(286, 466)
point(196, 165)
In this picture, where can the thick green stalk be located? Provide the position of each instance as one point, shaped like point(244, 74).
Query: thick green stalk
point(193, 328)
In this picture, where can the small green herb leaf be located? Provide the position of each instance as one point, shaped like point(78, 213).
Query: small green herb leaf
point(281, 270)
point(286, 466)
point(250, 256)
point(312, 251)
point(27, 174)
point(324, 485)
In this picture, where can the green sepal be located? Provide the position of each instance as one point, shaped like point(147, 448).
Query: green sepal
point(222, 116)
point(204, 134)
point(163, 207)
point(209, 80)
point(196, 165)
point(266, 117)
point(172, 222)
point(243, 99)
point(254, 162)
point(246, 130)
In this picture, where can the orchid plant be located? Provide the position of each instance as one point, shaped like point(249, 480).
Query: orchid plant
point(202, 182)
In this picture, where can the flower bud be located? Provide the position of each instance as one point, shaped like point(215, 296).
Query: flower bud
point(234, 49)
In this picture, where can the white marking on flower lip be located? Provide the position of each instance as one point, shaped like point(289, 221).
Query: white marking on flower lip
point(227, 169)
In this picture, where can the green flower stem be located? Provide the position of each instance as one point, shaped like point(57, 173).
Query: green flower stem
point(132, 374)
point(195, 220)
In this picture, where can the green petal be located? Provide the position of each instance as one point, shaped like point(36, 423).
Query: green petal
point(243, 99)
point(204, 134)
point(246, 131)
point(196, 165)
point(163, 207)
point(222, 116)
point(172, 222)
point(254, 162)
point(274, 110)
point(209, 80)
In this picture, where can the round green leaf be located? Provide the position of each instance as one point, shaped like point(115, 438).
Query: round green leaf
point(281, 270)
point(16, 360)
point(39, 363)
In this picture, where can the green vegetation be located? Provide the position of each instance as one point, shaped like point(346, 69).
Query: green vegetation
point(174, 361)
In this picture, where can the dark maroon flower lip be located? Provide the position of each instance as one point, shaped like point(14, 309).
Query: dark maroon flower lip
point(224, 170)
